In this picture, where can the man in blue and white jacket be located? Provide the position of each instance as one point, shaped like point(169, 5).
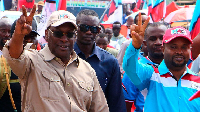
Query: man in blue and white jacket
point(171, 84)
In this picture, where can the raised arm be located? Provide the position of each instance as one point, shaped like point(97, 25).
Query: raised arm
point(137, 32)
point(22, 28)
point(138, 73)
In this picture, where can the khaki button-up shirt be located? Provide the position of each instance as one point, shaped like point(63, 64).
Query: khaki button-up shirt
point(49, 85)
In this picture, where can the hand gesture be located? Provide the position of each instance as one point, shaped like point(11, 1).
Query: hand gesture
point(137, 32)
point(24, 23)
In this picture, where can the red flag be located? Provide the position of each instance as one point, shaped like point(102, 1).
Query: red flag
point(62, 5)
point(112, 8)
point(115, 12)
point(158, 11)
point(139, 3)
point(124, 30)
point(135, 9)
point(25, 3)
point(196, 29)
point(150, 7)
point(105, 18)
point(170, 8)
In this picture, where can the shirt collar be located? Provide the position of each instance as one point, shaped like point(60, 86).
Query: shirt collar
point(49, 56)
point(119, 36)
point(47, 53)
point(162, 68)
point(95, 50)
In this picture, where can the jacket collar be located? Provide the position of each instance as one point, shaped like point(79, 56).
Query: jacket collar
point(162, 68)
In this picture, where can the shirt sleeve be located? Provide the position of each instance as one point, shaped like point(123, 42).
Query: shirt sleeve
point(19, 66)
point(139, 73)
point(139, 102)
point(114, 92)
point(121, 54)
point(129, 90)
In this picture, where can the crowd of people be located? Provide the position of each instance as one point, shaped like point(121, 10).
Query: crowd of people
point(86, 67)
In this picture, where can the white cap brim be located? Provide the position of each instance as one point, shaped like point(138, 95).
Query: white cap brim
point(58, 23)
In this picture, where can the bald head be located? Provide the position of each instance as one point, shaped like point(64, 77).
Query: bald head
point(130, 21)
point(5, 21)
point(5, 28)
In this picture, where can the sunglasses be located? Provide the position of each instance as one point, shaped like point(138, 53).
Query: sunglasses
point(59, 34)
point(84, 28)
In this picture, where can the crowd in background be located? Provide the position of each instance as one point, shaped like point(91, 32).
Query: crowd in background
point(87, 67)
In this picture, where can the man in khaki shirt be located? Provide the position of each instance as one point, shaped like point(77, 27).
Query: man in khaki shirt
point(55, 78)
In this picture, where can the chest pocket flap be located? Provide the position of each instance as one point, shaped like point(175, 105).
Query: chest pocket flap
point(87, 86)
point(51, 76)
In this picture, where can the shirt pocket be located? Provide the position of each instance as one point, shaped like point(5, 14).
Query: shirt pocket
point(86, 89)
point(50, 87)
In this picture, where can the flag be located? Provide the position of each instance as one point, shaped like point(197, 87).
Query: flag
point(27, 4)
point(158, 10)
point(115, 12)
point(195, 22)
point(113, 7)
point(62, 5)
point(139, 3)
point(2, 8)
point(105, 18)
point(46, 12)
point(145, 5)
point(150, 5)
point(170, 8)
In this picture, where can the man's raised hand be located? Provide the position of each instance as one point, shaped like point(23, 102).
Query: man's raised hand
point(24, 23)
point(137, 32)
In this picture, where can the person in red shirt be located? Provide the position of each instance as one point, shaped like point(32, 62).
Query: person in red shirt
point(27, 3)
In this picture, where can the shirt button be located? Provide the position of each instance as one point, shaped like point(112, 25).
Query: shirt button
point(179, 97)
point(68, 84)
point(51, 79)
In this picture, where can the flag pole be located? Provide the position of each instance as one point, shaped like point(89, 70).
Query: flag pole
point(105, 11)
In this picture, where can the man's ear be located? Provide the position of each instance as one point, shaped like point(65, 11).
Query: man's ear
point(145, 42)
point(46, 35)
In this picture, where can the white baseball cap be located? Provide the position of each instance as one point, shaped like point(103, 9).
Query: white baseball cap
point(60, 17)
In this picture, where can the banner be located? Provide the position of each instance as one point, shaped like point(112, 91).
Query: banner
point(46, 12)
point(87, 3)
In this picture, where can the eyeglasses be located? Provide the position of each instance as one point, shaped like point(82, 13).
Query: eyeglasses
point(84, 28)
point(59, 34)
